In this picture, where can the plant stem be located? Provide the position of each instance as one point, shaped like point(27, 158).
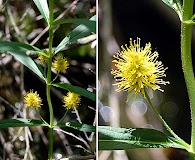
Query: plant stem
point(164, 123)
point(186, 38)
point(50, 153)
point(62, 117)
point(48, 88)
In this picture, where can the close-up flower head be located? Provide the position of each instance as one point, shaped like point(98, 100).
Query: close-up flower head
point(137, 68)
point(60, 63)
point(32, 99)
point(71, 100)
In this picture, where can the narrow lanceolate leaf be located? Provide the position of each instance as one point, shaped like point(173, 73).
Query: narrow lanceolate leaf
point(17, 50)
point(16, 46)
point(43, 8)
point(79, 32)
point(20, 122)
point(78, 126)
point(76, 89)
point(28, 62)
point(88, 23)
point(176, 5)
point(93, 18)
point(113, 138)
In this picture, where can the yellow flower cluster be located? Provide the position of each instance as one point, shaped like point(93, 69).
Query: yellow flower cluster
point(60, 63)
point(42, 57)
point(71, 101)
point(32, 99)
point(137, 68)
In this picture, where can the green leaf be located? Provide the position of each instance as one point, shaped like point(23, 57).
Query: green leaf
point(114, 138)
point(43, 8)
point(28, 62)
point(176, 5)
point(78, 126)
point(79, 32)
point(20, 122)
point(88, 23)
point(75, 89)
point(16, 46)
point(93, 18)
point(17, 49)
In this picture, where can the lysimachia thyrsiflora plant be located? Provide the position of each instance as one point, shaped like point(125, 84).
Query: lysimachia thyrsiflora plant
point(137, 70)
point(51, 61)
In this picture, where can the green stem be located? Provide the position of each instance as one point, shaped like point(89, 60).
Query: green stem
point(50, 153)
point(186, 38)
point(164, 123)
point(62, 117)
point(55, 77)
point(192, 156)
point(48, 89)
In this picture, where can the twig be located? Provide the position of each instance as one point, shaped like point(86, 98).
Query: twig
point(10, 105)
point(71, 134)
point(26, 129)
point(80, 157)
point(16, 136)
point(6, 149)
point(87, 137)
point(14, 24)
point(3, 6)
point(65, 142)
point(44, 138)
point(40, 35)
point(79, 146)
point(77, 114)
point(92, 134)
